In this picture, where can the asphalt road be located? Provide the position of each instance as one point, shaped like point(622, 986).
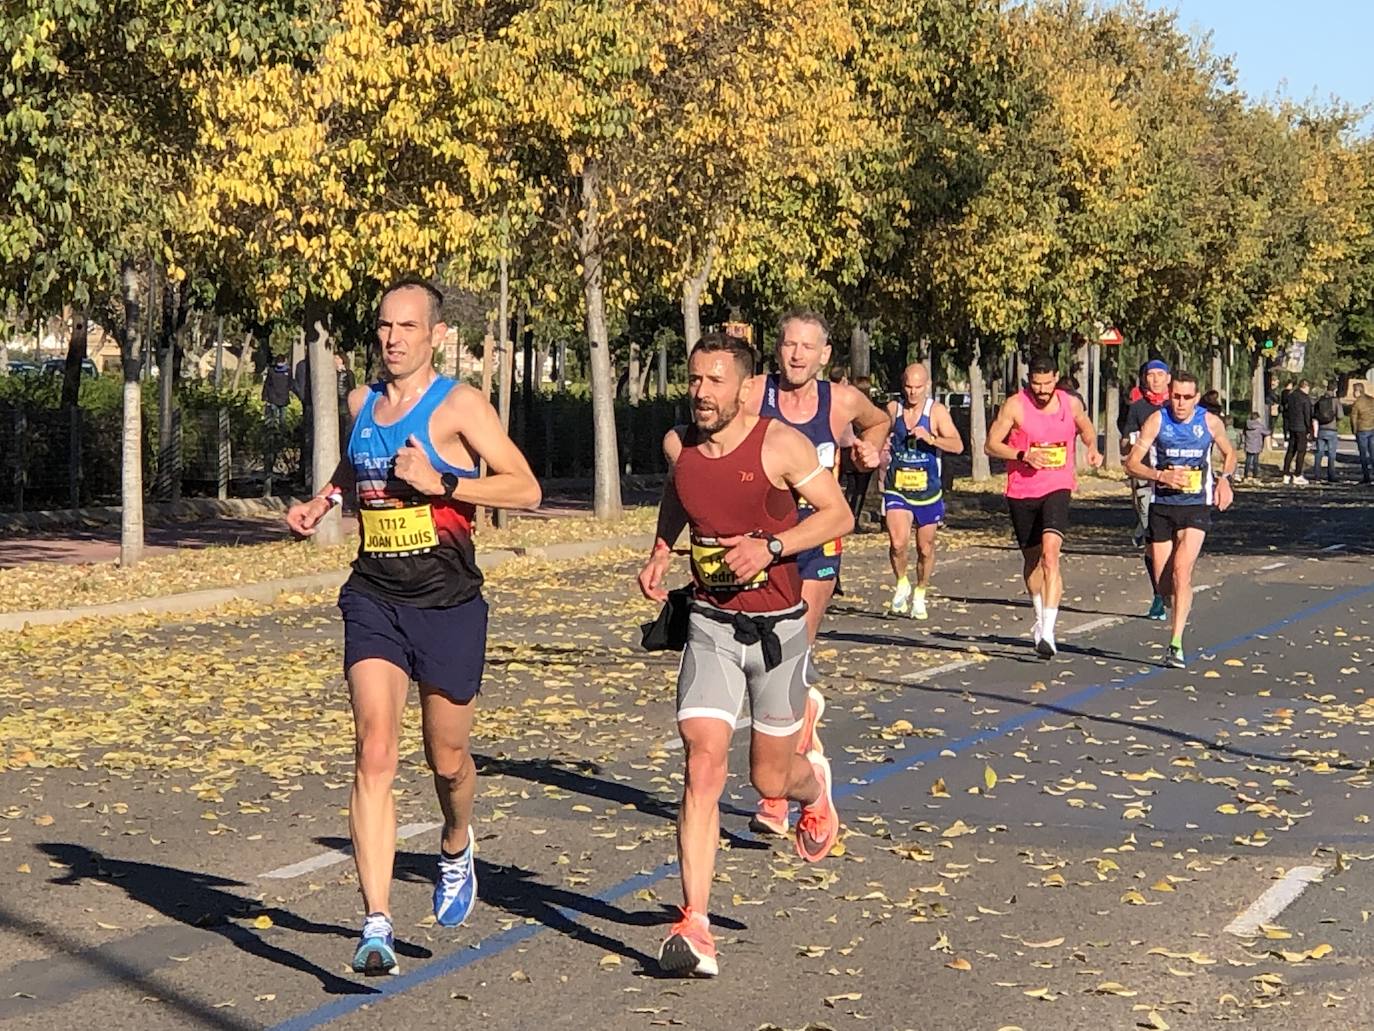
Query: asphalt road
point(1043, 845)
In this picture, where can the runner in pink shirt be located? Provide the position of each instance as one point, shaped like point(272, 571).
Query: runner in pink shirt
point(1034, 433)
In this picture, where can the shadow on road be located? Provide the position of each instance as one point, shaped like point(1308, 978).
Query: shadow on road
point(201, 900)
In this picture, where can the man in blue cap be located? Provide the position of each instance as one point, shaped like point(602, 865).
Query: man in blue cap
point(1154, 393)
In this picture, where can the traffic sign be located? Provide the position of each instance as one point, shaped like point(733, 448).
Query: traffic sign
point(1111, 337)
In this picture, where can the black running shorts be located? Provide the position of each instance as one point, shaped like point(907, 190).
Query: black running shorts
point(1168, 520)
point(1031, 518)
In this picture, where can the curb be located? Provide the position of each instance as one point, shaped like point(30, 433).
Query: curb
point(270, 590)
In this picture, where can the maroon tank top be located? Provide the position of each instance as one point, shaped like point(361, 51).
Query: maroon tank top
point(725, 497)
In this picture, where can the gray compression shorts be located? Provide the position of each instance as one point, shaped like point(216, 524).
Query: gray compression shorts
point(717, 672)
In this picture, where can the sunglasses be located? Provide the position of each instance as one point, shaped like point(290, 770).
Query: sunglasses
point(1183, 397)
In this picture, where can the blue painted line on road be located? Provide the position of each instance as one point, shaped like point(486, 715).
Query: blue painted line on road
point(494, 945)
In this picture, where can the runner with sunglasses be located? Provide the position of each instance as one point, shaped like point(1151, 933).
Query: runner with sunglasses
point(1177, 441)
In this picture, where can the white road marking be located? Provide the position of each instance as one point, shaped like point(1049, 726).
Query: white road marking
point(333, 856)
point(1334, 547)
point(1204, 587)
point(928, 674)
point(1276, 898)
point(1093, 624)
point(1272, 566)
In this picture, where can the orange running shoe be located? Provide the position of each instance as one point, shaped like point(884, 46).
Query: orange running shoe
point(819, 825)
point(689, 949)
point(771, 816)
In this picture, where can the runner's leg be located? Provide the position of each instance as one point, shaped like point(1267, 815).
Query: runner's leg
point(378, 691)
point(898, 540)
point(706, 744)
point(1187, 546)
point(817, 595)
point(447, 726)
point(925, 553)
point(777, 770)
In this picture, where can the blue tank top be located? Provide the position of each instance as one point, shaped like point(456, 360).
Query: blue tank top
point(1184, 445)
point(414, 549)
point(816, 429)
point(913, 471)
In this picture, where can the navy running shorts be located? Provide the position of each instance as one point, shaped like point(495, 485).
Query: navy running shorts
point(443, 648)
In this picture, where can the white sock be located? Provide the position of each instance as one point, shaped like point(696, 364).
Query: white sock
point(1039, 602)
point(1047, 622)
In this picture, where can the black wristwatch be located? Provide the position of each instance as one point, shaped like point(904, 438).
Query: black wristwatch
point(450, 483)
point(774, 546)
point(1021, 455)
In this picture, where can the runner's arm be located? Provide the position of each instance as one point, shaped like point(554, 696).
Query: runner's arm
point(872, 424)
point(946, 436)
point(1135, 460)
point(509, 482)
point(304, 517)
point(996, 445)
point(790, 458)
point(671, 520)
point(1222, 440)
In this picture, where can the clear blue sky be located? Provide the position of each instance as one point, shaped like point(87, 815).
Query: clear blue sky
point(1302, 49)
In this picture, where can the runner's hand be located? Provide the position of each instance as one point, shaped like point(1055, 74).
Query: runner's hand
point(865, 455)
point(1225, 495)
point(303, 517)
point(652, 575)
point(412, 466)
point(1176, 479)
point(1095, 459)
point(1037, 459)
point(923, 435)
point(747, 557)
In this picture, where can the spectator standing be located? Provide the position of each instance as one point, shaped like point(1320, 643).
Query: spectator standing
point(1254, 445)
point(1327, 413)
point(1362, 424)
point(1298, 425)
point(276, 392)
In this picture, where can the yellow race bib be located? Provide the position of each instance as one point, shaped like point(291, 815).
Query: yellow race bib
point(398, 531)
point(910, 481)
point(708, 563)
point(1054, 455)
point(1194, 484)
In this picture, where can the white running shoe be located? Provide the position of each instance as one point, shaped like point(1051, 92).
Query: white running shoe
point(901, 597)
point(1287, 478)
point(918, 605)
point(1301, 481)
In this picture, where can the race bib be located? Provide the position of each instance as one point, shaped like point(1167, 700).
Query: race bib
point(1054, 455)
point(1194, 484)
point(708, 564)
point(910, 481)
point(398, 531)
point(825, 454)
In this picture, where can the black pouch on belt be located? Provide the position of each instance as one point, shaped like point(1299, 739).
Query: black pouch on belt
point(669, 631)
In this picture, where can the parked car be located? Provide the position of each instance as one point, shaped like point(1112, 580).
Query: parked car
point(58, 366)
point(956, 399)
point(18, 368)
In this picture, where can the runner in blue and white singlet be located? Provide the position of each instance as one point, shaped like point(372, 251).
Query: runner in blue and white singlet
point(1178, 440)
point(826, 413)
point(912, 491)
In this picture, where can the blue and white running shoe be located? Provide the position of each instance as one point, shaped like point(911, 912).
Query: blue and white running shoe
point(376, 952)
point(455, 892)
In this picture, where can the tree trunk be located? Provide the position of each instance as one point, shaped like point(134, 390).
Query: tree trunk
point(1113, 412)
point(1082, 367)
point(245, 358)
point(526, 338)
point(76, 354)
point(167, 452)
point(131, 479)
point(541, 359)
point(505, 366)
point(977, 416)
point(1257, 400)
point(662, 369)
point(606, 465)
point(633, 381)
point(324, 397)
point(859, 351)
point(693, 286)
point(1218, 381)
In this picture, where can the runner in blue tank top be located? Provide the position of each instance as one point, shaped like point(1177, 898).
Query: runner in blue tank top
point(1174, 453)
point(413, 608)
point(824, 412)
point(912, 492)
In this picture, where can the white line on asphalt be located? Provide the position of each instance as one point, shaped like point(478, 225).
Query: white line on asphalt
point(927, 674)
point(1276, 898)
point(1203, 587)
point(1334, 547)
point(1093, 624)
point(319, 862)
point(1271, 566)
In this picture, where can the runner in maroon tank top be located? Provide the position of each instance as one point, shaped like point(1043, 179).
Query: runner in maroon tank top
point(731, 482)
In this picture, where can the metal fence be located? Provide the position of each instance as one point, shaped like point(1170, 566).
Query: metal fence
point(52, 458)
